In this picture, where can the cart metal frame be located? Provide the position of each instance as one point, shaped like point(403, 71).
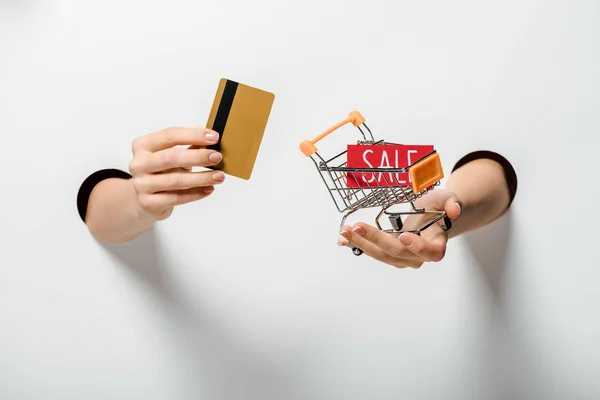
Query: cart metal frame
point(425, 174)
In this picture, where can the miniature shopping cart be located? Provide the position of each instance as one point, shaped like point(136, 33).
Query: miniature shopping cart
point(354, 188)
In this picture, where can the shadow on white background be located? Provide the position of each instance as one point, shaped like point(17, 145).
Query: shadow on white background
point(219, 366)
point(510, 367)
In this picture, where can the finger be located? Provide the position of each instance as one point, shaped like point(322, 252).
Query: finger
point(427, 250)
point(157, 202)
point(175, 158)
point(368, 248)
point(178, 181)
point(167, 138)
point(373, 251)
point(383, 240)
point(453, 207)
point(168, 171)
point(175, 170)
point(345, 236)
point(342, 241)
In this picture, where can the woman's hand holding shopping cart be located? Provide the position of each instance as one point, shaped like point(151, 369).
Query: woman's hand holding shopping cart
point(407, 249)
point(484, 181)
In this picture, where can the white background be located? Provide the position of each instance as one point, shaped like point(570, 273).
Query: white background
point(246, 295)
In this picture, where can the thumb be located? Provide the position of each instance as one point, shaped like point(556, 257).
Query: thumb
point(452, 207)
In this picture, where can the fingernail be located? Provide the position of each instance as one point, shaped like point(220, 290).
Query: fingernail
point(359, 230)
point(215, 157)
point(345, 234)
point(209, 189)
point(459, 210)
point(405, 240)
point(218, 176)
point(211, 136)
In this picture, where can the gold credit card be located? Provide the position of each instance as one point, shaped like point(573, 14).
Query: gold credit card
point(239, 115)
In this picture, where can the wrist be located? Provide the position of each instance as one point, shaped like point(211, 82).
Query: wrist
point(141, 216)
point(481, 186)
point(497, 161)
point(138, 213)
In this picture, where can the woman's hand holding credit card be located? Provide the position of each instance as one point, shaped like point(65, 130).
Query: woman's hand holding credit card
point(162, 161)
point(162, 170)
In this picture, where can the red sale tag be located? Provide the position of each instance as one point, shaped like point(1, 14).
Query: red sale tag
point(382, 156)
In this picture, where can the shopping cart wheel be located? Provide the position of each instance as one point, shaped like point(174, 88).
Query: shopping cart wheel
point(447, 223)
point(357, 251)
point(396, 221)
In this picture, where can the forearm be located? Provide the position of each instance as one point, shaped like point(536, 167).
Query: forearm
point(482, 187)
point(113, 213)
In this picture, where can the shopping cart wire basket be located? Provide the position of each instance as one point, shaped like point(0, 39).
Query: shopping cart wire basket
point(352, 189)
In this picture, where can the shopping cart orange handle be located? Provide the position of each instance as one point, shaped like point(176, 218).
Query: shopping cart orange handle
point(308, 146)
